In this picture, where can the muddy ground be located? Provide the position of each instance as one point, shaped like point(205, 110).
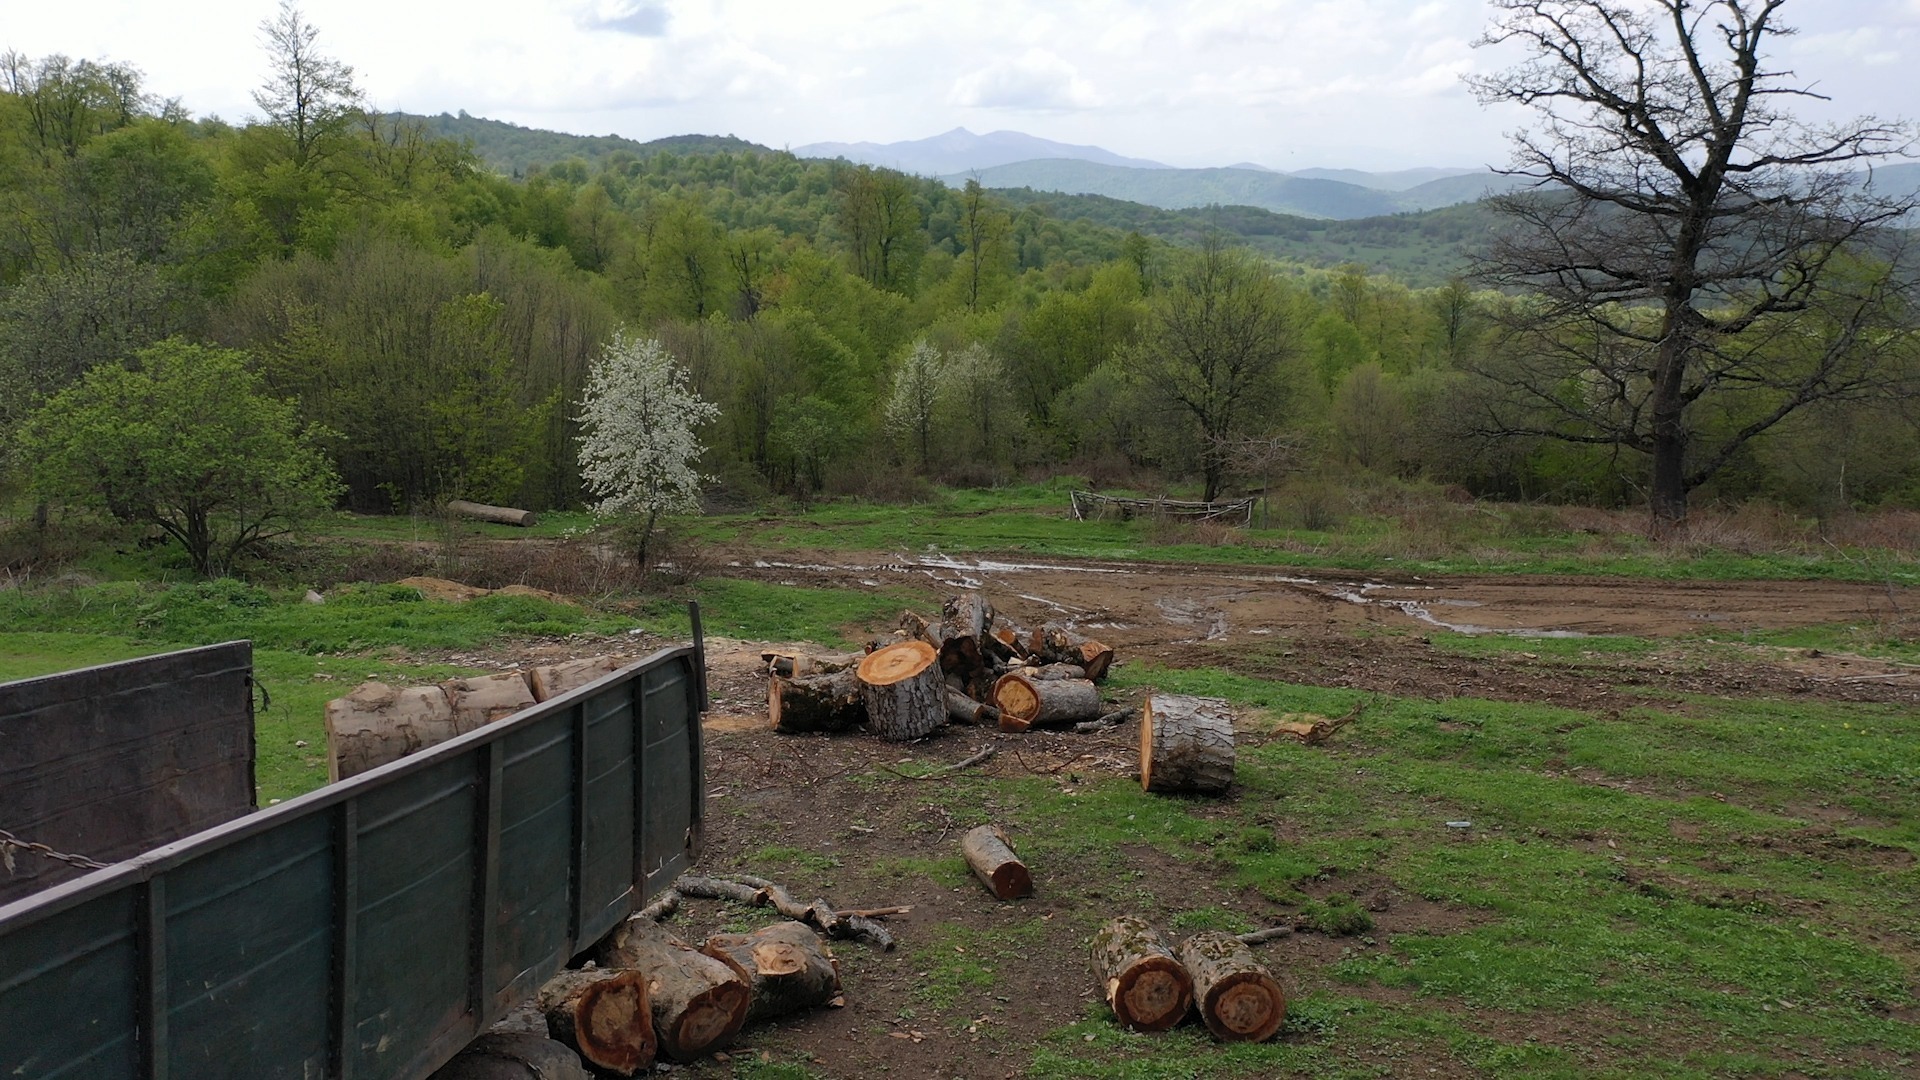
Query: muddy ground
point(807, 811)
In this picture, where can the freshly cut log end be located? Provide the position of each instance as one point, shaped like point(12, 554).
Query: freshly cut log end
point(1096, 659)
point(1186, 744)
point(1027, 702)
point(905, 694)
point(1236, 997)
point(833, 702)
point(991, 856)
point(698, 1003)
point(1144, 983)
point(513, 1056)
point(604, 1015)
point(786, 965)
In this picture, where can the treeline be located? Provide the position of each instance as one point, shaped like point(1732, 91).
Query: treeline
point(857, 327)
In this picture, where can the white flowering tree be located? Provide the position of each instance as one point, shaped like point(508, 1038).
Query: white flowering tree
point(638, 448)
point(917, 390)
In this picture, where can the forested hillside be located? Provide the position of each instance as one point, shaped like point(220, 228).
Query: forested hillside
point(431, 312)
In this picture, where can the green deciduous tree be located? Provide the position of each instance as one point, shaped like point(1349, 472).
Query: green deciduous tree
point(308, 95)
point(188, 441)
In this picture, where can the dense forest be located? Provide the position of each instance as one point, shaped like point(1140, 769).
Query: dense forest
point(431, 314)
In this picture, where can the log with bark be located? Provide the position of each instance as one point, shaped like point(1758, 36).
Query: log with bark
point(835, 702)
point(1186, 744)
point(551, 680)
point(991, 856)
point(1053, 643)
point(483, 699)
point(698, 1002)
point(1144, 983)
point(603, 1015)
point(1047, 672)
point(377, 724)
point(963, 622)
point(510, 1056)
point(905, 696)
point(962, 709)
point(787, 966)
point(789, 665)
point(1007, 643)
point(1026, 703)
point(499, 515)
point(914, 628)
point(1236, 997)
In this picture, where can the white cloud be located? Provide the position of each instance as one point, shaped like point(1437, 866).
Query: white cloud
point(1037, 79)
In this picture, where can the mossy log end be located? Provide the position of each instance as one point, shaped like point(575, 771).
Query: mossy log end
point(1144, 983)
point(1236, 997)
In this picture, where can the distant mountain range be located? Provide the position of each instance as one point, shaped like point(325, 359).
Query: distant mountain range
point(960, 151)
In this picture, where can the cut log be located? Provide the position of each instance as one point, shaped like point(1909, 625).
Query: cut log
point(905, 695)
point(604, 1016)
point(1028, 703)
point(499, 515)
point(1008, 643)
point(833, 702)
point(377, 724)
point(551, 680)
point(994, 863)
point(881, 641)
point(788, 968)
point(481, 700)
point(699, 1003)
point(1236, 997)
point(1186, 744)
point(962, 709)
point(796, 665)
point(1056, 671)
point(1144, 983)
point(1055, 644)
point(509, 1056)
point(914, 628)
point(963, 622)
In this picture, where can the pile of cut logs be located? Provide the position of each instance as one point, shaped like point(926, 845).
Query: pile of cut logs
point(967, 667)
point(1151, 985)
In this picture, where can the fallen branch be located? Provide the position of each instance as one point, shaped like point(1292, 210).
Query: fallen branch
point(1317, 732)
point(662, 908)
point(1260, 937)
point(747, 889)
point(983, 754)
point(1105, 723)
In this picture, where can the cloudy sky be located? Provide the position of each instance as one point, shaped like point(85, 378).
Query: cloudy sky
point(1286, 83)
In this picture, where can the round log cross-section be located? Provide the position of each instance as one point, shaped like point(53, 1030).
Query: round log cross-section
point(1239, 1001)
point(905, 693)
point(1143, 981)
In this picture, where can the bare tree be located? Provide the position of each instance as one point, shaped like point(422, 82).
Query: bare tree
point(307, 94)
point(1696, 262)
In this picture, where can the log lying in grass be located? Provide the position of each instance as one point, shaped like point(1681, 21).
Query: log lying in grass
point(698, 1003)
point(835, 702)
point(1186, 744)
point(787, 966)
point(551, 680)
point(1144, 983)
point(1236, 997)
point(499, 515)
point(509, 1056)
point(991, 856)
point(377, 724)
point(482, 699)
point(905, 696)
point(605, 1016)
point(1026, 703)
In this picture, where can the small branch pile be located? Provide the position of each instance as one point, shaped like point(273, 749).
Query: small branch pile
point(964, 668)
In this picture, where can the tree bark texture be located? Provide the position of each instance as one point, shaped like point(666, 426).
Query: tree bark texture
point(499, 515)
point(1144, 983)
point(1028, 703)
point(377, 724)
point(962, 709)
point(698, 1002)
point(905, 694)
point(508, 1056)
point(991, 856)
point(797, 665)
point(483, 699)
point(552, 680)
point(1186, 744)
point(963, 622)
point(1236, 997)
point(834, 702)
point(788, 968)
point(604, 1016)
point(1055, 644)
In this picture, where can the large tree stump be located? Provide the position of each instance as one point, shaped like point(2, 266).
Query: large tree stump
point(1186, 744)
point(787, 966)
point(604, 1016)
point(1026, 702)
point(482, 699)
point(511, 1056)
point(1239, 1001)
point(834, 702)
point(699, 1002)
point(1143, 981)
point(552, 680)
point(995, 864)
point(377, 724)
point(905, 694)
